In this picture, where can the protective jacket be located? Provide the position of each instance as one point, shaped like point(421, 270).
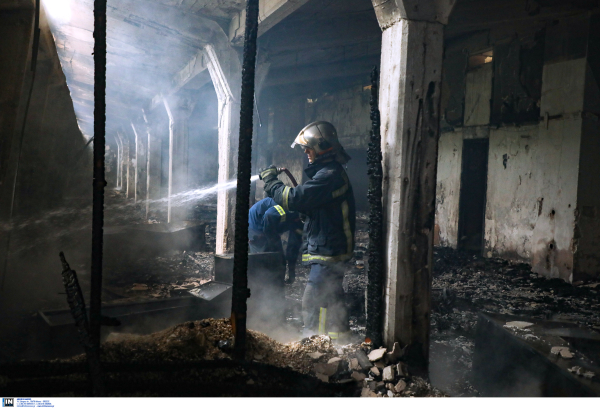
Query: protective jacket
point(328, 202)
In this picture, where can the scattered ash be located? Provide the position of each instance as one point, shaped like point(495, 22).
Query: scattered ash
point(465, 284)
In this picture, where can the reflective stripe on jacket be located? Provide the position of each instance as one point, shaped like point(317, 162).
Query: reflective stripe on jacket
point(328, 201)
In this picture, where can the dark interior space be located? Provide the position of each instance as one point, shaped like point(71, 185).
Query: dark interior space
point(472, 195)
point(487, 114)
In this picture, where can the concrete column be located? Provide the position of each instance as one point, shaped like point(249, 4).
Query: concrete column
point(411, 67)
point(130, 165)
point(225, 86)
point(119, 161)
point(179, 110)
point(141, 141)
point(153, 162)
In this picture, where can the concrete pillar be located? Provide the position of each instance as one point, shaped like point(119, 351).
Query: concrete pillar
point(141, 141)
point(130, 165)
point(179, 110)
point(153, 162)
point(228, 88)
point(118, 184)
point(411, 67)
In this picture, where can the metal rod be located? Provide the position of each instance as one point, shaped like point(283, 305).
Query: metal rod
point(240, 261)
point(375, 172)
point(99, 182)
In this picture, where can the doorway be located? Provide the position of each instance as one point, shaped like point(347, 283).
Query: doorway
point(471, 213)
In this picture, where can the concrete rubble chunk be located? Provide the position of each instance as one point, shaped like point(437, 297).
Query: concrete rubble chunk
point(354, 364)
point(518, 324)
point(375, 371)
point(401, 386)
point(372, 385)
point(326, 369)
point(334, 360)
point(367, 393)
point(401, 370)
point(388, 373)
point(322, 377)
point(358, 376)
point(564, 352)
point(363, 360)
point(395, 354)
point(377, 354)
point(380, 364)
point(316, 355)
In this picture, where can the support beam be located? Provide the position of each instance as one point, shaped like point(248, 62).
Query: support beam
point(271, 12)
point(130, 165)
point(141, 148)
point(179, 110)
point(153, 163)
point(118, 183)
point(225, 86)
point(411, 67)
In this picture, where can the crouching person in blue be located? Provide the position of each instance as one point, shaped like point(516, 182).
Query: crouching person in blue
point(328, 202)
point(267, 220)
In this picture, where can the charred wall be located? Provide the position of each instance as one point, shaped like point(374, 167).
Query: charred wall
point(529, 101)
point(55, 173)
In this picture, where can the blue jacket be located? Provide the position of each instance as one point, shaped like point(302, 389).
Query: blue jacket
point(328, 201)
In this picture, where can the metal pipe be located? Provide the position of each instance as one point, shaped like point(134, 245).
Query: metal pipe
point(99, 182)
point(240, 261)
point(375, 172)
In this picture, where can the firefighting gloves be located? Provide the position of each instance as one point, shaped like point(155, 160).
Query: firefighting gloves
point(269, 176)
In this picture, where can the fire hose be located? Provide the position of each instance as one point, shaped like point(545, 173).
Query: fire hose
point(289, 174)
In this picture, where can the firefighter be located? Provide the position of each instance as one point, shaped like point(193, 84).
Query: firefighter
point(328, 202)
point(267, 221)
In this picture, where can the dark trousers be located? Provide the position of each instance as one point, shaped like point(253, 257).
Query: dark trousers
point(323, 308)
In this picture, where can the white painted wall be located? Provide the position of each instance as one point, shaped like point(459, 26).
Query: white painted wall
point(450, 148)
point(533, 176)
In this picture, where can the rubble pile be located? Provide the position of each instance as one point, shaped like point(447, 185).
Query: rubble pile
point(384, 374)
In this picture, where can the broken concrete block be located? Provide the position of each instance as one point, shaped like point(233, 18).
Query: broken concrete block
point(388, 373)
point(390, 394)
point(326, 369)
point(363, 360)
point(358, 376)
point(315, 356)
point(322, 377)
point(402, 370)
point(372, 385)
point(380, 386)
point(334, 360)
point(367, 393)
point(380, 364)
point(375, 371)
point(377, 354)
point(564, 352)
point(518, 325)
point(395, 354)
point(354, 364)
point(401, 386)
